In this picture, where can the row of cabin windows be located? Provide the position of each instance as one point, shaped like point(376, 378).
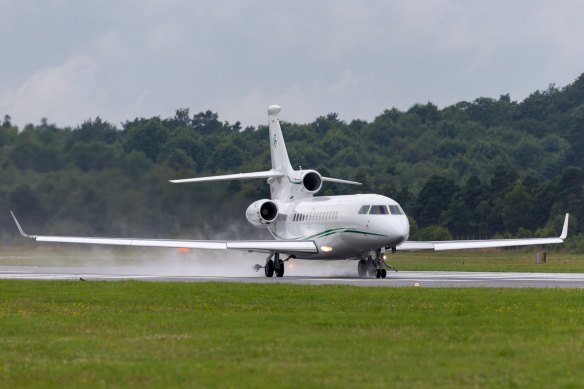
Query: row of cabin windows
point(315, 216)
point(381, 210)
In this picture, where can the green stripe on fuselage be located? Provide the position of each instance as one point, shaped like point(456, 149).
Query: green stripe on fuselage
point(329, 233)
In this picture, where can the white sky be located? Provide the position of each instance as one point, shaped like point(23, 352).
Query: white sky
point(69, 60)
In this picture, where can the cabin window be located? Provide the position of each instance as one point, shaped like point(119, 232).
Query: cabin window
point(364, 209)
point(395, 210)
point(378, 210)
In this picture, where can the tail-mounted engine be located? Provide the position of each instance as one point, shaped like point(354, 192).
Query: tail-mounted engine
point(262, 213)
point(309, 181)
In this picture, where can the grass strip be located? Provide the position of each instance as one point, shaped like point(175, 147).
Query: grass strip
point(68, 334)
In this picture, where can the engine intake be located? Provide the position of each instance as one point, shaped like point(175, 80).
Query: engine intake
point(262, 212)
point(312, 181)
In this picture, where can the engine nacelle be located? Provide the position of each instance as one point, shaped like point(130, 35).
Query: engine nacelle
point(310, 180)
point(262, 212)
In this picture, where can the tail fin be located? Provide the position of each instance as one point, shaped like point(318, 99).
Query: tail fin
point(285, 183)
point(280, 160)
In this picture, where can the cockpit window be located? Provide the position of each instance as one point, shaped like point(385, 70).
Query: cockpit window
point(364, 209)
point(395, 210)
point(378, 210)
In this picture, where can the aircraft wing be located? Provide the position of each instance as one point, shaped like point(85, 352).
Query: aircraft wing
point(265, 246)
point(482, 244)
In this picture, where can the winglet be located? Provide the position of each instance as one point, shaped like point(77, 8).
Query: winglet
point(565, 228)
point(20, 228)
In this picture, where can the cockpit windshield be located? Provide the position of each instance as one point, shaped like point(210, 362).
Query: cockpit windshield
point(378, 210)
point(395, 210)
point(364, 210)
point(381, 210)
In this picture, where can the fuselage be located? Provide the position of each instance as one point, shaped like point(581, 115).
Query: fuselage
point(343, 227)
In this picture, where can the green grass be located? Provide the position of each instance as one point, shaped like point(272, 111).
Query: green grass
point(56, 334)
point(489, 260)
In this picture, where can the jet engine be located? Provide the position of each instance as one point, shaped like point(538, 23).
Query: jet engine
point(310, 180)
point(262, 212)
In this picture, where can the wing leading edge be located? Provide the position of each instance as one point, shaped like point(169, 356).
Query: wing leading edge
point(483, 244)
point(266, 246)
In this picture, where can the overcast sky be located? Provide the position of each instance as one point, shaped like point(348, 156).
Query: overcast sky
point(69, 60)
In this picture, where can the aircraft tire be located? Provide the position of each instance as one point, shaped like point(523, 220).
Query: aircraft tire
point(383, 273)
point(269, 269)
point(279, 268)
point(362, 268)
point(378, 273)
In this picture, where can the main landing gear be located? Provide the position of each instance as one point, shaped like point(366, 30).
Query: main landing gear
point(274, 266)
point(374, 266)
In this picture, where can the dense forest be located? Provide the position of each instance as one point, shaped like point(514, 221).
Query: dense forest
point(486, 168)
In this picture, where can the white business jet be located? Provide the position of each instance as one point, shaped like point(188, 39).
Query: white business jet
point(360, 227)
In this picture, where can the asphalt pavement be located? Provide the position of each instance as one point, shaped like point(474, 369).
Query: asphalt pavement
point(427, 279)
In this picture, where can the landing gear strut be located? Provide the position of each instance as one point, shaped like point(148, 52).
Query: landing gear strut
point(374, 266)
point(278, 265)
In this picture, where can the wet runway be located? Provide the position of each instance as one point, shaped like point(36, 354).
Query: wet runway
point(430, 279)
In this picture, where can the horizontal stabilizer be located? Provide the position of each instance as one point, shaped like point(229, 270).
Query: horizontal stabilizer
point(238, 176)
point(339, 181)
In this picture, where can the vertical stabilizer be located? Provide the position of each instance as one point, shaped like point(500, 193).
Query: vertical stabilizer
point(280, 160)
point(280, 187)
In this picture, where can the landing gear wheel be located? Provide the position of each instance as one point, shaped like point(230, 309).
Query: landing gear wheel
point(362, 268)
point(383, 273)
point(378, 273)
point(269, 269)
point(279, 268)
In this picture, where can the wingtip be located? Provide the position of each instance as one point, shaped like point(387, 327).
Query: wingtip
point(565, 227)
point(20, 227)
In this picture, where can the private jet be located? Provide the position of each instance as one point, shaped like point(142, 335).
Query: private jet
point(361, 227)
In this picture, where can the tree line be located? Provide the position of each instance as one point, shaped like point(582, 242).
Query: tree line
point(485, 168)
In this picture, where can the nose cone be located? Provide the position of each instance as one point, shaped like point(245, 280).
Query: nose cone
point(394, 228)
point(405, 228)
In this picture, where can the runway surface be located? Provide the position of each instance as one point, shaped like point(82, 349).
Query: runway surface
point(431, 279)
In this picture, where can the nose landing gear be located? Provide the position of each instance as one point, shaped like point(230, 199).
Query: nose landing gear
point(374, 266)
